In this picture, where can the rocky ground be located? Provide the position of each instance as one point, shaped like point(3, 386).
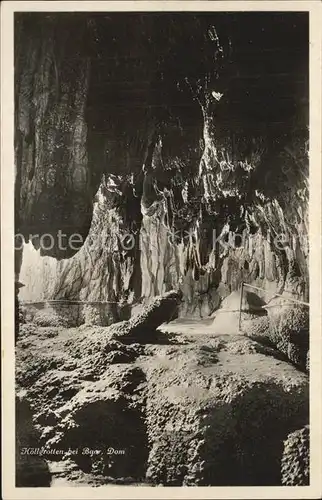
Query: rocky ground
point(178, 404)
point(175, 172)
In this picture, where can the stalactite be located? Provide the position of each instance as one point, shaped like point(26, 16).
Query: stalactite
point(177, 171)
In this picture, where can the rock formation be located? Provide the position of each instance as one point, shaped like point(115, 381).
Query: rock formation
point(210, 422)
point(186, 198)
point(161, 161)
point(285, 327)
point(143, 326)
point(31, 468)
point(208, 410)
point(296, 458)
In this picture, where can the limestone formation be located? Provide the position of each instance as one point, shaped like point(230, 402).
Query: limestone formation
point(227, 316)
point(218, 197)
point(184, 413)
point(209, 408)
point(142, 327)
point(180, 179)
point(31, 468)
point(289, 329)
point(296, 458)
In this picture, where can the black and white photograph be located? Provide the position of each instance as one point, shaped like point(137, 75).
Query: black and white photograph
point(162, 163)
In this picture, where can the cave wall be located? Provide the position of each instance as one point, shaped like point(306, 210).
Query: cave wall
point(179, 155)
point(55, 184)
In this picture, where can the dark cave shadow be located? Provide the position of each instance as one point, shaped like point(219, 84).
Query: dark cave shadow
point(250, 435)
point(153, 337)
point(31, 469)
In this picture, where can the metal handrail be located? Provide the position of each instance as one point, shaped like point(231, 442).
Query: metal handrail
point(75, 302)
point(263, 307)
point(66, 301)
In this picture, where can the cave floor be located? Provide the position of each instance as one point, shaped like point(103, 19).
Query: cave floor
point(192, 340)
point(63, 478)
point(189, 325)
point(200, 326)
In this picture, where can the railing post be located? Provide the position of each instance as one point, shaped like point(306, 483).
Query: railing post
point(240, 305)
